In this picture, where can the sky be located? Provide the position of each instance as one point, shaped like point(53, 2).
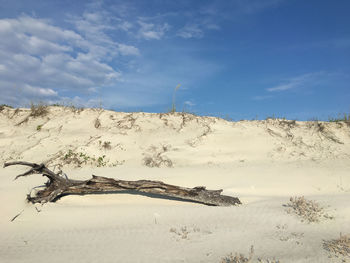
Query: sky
point(237, 59)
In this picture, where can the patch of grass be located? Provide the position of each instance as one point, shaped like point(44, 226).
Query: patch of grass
point(38, 110)
point(71, 106)
point(57, 105)
point(274, 117)
point(341, 117)
point(238, 258)
point(338, 247)
point(241, 258)
point(3, 106)
point(308, 210)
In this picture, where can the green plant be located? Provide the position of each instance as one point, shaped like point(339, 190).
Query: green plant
point(38, 128)
point(80, 158)
point(101, 161)
point(345, 117)
point(173, 108)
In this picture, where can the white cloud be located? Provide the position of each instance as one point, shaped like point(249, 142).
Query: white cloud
point(189, 103)
point(43, 61)
point(128, 50)
point(150, 31)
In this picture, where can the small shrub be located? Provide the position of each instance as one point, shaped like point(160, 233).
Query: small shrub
point(101, 161)
point(77, 158)
point(306, 209)
point(106, 145)
point(38, 110)
point(340, 246)
point(97, 123)
point(38, 128)
point(156, 158)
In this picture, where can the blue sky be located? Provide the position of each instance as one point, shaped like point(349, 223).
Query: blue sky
point(233, 58)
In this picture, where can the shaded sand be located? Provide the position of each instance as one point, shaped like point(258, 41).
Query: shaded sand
point(263, 163)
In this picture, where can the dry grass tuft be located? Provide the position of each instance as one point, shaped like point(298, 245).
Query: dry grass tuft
point(339, 247)
point(38, 110)
point(240, 258)
point(307, 209)
point(156, 158)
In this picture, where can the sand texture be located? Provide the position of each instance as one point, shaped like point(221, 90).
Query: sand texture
point(264, 163)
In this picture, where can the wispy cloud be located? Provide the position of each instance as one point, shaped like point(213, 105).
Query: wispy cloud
point(150, 31)
point(301, 81)
point(190, 31)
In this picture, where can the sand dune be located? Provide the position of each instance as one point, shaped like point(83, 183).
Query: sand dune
point(263, 163)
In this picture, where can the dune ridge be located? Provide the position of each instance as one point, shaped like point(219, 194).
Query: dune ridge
point(264, 163)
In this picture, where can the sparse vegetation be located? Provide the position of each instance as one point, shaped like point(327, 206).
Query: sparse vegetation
point(38, 110)
point(70, 106)
point(341, 117)
point(38, 128)
point(338, 247)
point(241, 258)
point(308, 210)
point(183, 232)
point(238, 258)
point(3, 106)
point(128, 123)
point(80, 158)
point(156, 158)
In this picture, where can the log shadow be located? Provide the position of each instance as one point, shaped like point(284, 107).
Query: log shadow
point(132, 192)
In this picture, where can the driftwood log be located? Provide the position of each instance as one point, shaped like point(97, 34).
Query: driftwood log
point(59, 185)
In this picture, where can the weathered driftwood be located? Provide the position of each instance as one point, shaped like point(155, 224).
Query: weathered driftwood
point(59, 185)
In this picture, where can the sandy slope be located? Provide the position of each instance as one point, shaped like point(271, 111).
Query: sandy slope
point(261, 162)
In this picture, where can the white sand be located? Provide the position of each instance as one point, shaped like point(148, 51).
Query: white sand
point(261, 162)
